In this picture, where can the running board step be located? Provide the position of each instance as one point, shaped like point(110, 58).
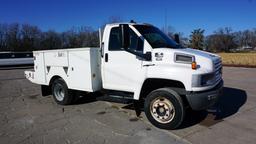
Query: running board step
point(115, 98)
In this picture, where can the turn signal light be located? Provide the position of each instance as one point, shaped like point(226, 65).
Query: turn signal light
point(193, 65)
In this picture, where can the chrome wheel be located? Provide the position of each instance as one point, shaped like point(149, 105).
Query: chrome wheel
point(162, 110)
point(59, 92)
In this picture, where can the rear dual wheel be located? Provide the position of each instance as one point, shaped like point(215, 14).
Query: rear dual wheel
point(164, 108)
point(61, 94)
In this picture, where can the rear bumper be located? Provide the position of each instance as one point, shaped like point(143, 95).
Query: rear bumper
point(30, 76)
point(204, 99)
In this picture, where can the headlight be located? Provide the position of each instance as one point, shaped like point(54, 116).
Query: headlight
point(183, 58)
point(203, 80)
point(186, 59)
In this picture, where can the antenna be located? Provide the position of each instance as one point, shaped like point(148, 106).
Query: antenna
point(165, 21)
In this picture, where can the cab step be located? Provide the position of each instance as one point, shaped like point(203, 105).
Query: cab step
point(116, 96)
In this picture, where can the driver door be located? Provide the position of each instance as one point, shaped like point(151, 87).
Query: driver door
point(122, 70)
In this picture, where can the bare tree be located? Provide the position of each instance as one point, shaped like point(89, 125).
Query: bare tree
point(197, 39)
point(13, 37)
point(3, 37)
point(246, 38)
point(83, 36)
point(16, 37)
point(30, 38)
point(213, 44)
point(225, 39)
point(51, 40)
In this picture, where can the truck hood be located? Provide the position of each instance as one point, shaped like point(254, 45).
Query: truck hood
point(205, 60)
point(199, 53)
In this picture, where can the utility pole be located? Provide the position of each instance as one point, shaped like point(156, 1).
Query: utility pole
point(165, 22)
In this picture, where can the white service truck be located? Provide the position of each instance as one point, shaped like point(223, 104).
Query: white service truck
point(135, 62)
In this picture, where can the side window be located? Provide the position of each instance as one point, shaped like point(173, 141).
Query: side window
point(136, 44)
point(114, 39)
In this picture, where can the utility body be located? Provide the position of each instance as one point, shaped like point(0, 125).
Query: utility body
point(134, 62)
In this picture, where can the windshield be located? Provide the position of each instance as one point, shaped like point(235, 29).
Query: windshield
point(155, 37)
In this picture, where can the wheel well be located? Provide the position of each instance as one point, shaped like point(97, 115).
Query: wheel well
point(53, 79)
point(150, 85)
point(47, 89)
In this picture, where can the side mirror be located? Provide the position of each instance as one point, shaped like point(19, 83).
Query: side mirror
point(125, 35)
point(177, 38)
point(148, 56)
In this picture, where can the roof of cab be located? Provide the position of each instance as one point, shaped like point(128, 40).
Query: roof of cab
point(116, 24)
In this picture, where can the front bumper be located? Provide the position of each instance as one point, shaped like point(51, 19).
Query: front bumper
point(204, 99)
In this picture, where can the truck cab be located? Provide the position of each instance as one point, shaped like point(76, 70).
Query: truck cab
point(141, 62)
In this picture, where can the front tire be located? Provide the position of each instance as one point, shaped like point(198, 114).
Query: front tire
point(164, 108)
point(61, 94)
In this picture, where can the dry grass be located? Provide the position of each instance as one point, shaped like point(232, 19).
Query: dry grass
point(239, 59)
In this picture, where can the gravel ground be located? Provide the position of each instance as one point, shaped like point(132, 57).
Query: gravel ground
point(27, 117)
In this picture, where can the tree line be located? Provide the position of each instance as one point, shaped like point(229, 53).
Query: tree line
point(26, 37)
point(223, 40)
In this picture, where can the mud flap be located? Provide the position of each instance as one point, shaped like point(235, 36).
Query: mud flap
point(46, 90)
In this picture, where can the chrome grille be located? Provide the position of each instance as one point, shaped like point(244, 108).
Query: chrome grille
point(218, 70)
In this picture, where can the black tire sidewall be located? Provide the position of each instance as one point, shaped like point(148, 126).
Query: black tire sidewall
point(67, 93)
point(176, 102)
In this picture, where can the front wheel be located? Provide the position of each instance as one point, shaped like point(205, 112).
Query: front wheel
point(164, 108)
point(61, 94)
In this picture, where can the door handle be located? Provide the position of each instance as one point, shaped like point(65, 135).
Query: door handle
point(106, 57)
point(147, 65)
